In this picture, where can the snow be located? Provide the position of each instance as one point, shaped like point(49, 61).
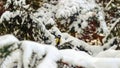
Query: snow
point(69, 7)
point(103, 25)
point(46, 56)
point(30, 47)
point(18, 3)
point(47, 63)
point(80, 58)
point(7, 40)
point(8, 15)
point(48, 12)
point(76, 58)
point(14, 59)
point(85, 10)
point(50, 21)
point(43, 29)
point(5, 16)
point(45, 14)
point(96, 49)
point(110, 53)
point(50, 60)
point(93, 50)
point(106, 62)
point(55, 30)
point(8, 2)
point(51, 53)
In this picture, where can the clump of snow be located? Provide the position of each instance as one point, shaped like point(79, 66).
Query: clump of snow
point(76, 58)
point(51, 53)
point(7, 40)
point(50, 21)
point(33, 54)
point(55, 30)
point(51, 58)
point(16, 3)
point(8, 15)
point(67, 7)
point(47, 63)
point(5, 16)
point(106, 62)
point(19, 2)
point(30, 47)
point(13, 60)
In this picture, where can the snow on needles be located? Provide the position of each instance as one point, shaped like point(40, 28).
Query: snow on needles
point(85, 10)
point(13, 60)
point(33, 54)
point(7, 15)
point(67, 8)
point(15, 3)
point(50, 52)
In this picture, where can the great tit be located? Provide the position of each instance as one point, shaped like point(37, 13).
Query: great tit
point(58, 40)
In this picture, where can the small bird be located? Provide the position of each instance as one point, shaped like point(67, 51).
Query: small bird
point(58, 40)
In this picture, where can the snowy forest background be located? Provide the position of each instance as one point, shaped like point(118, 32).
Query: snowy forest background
point(60, 33)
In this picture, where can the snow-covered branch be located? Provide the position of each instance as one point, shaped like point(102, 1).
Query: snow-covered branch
point(13, 60)
point(33, 54)
point(7, 40)
point(53, 23)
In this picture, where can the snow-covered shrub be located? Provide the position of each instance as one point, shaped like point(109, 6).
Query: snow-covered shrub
point(79, 23)
point(29, 54)
point(74, 15)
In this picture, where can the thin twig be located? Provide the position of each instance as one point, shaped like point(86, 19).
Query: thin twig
point(112, 27)
point(108, 4)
